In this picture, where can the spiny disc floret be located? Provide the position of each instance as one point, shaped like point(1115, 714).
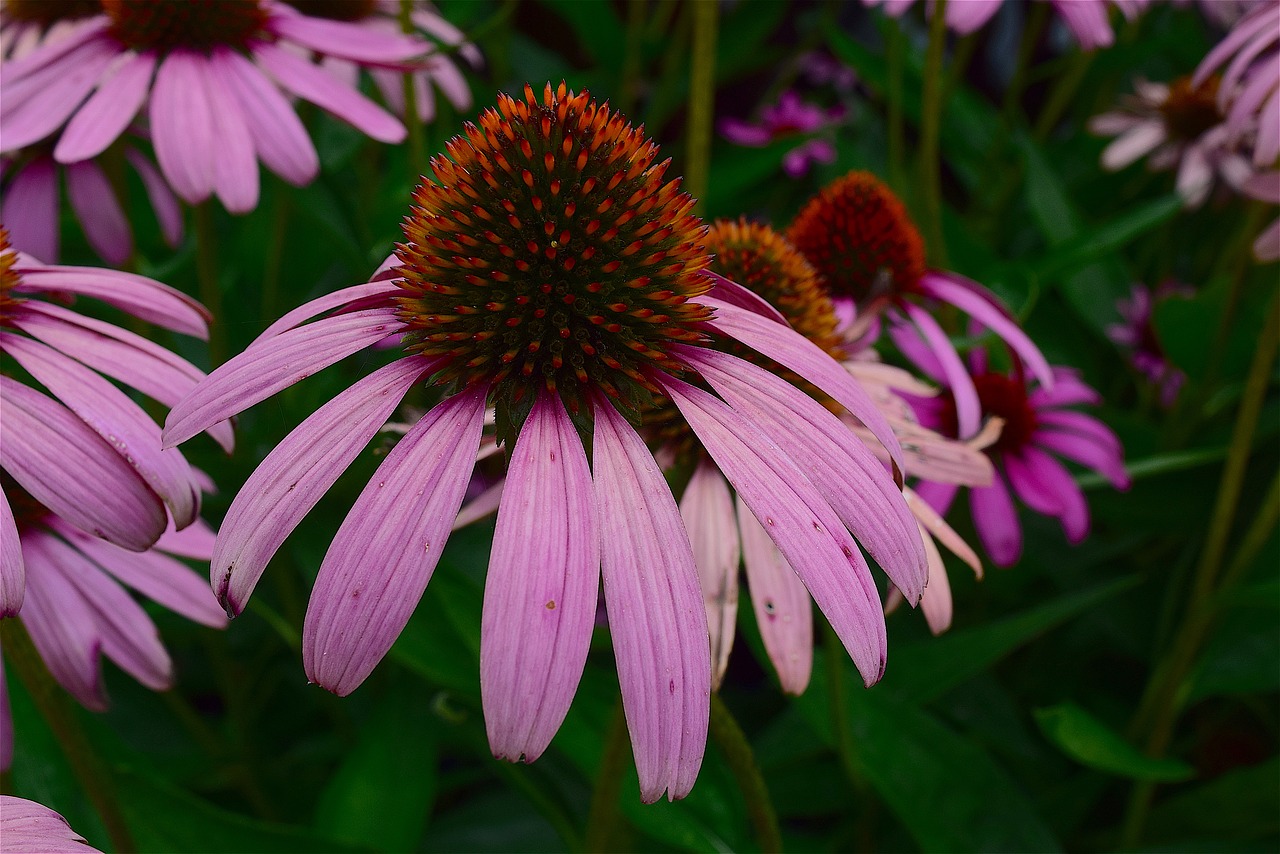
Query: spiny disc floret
point(546, 249)
point(192, 24)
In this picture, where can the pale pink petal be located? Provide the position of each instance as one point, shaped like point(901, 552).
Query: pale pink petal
point(966, 16)
point(386, 549)
point(32, 119)
point(542, 588)
point(120, 422)
point(235, 169)
point(142, 297)
point(484, 504)
point(805, 528)
point(783, 608)
point(348, 40)
point(1086, 451)
point(260, 372)
point(328, 302)
point(451, 82)
point(105, 115)
point(1051, 478)
point(933, 524)
point(183, 127)
point(936, 602)
point(50, 51)
point(65, 466)
point(1267, 245)
point(939, 496)
point(163, 202)
point(298, 472)
point(95, 204)
point(707, 511)
point(26, 827)
point(1195, 176)
point(907, 339)
point(655, 610)
point(437, 26)
point(1087, 22)
point(12, 572)
point(316, 85)
point(29, 209)
point(278, 134)
point(996, 519)
point(195, 541)
point(955, 375)
point(1133, 144)
point(933, 457)
point(1267, 145)
point(1264, 19)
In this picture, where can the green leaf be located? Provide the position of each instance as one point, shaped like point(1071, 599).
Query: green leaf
point(1091, 742)
point(1239, 805)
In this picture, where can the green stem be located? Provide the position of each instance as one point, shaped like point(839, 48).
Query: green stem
point(413, 122)
point(1161, 702)
point(733, 743)
point(897, 50)
point(280, 210)
point(1064, 91)
point(60, 715)
point(702, 96)
point(629, 89)
point(207, 278)
point(930, 167)
point(603, 816)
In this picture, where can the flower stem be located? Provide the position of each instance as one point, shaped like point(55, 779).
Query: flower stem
point(930, 130)
point(1064, 91)
point(603, 816)
point(1162, 701)
point(896, 49)
point(629, 89)
point(280, 211)
point(60, 715)
point(733, 743)
point(413, 122)
point(207, 278)
point(702, 96)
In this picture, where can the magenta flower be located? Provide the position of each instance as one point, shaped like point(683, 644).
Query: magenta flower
point(547, 271)
point(26, 827)
point(1086, 19)
point(1036, 425)
point(1249, 92)
point(1265, 187)
point(790, 117)
point(1138, 334)
point(31, 205)
point(212, 75)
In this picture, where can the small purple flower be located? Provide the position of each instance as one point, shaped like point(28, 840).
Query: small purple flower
point(790, 117)
point(1138, 335)
point(27, 827)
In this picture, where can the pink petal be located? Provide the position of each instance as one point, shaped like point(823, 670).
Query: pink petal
point(956, 376)
point(12, 572)
point(783, 608)
point(792, 350)
point(435, 25)
point(797, 518)
point(484, 504)
point(845, 472)
point(27, 826)
point(28, 120)
point(731, 292)
point(936, 602)
point(1046, 475)
point(182, 126)
point(163, 202)
point(1087, 22)
point(142, 297)
point(707, 511)
point(260, 372)
point(1027, 484)
point(908, 340)
point(997, 522)
point(322, 89)
point(939, 496)
point(195, 541)
point(1263, 19)
point(99, 212)
point(1086, 451)
point(298, 472)
point(933, 524)
point(235, 168)
point(543, 584)
point(50, 51)
point(30, 209)
point(353, 41)
point(69, 469)
point(655, 610)
point(970, 15)
point(1067, 390)
point(278, 134)
point(106, 115)
point(118, 420)
point(328, 302)
point(386, 549)
point(1080, 424)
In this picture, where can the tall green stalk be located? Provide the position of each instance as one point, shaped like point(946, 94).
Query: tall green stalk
point(207, 280)
point(896, 49)
point(413, 122)
point(702, 94)
point(604, 798)
point(732, 741)
point(930, 165)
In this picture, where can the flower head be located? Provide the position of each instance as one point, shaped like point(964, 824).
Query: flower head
point(548, 270)
point(29, 826)
point(790, 117)
point(212, 75)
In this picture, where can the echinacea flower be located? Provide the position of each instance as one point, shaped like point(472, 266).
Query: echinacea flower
point(1179, 126)
point(30, 205)
point(1265, 187)
point(1086, 19)
point(547, 271)
point(1036, 427)
point(214, 75)
point(789, 118)
point(1249, 92)
point(27, 827)
point(1137, 333)
point(861, 240)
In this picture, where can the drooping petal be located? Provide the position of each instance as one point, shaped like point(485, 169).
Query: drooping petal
point(29, 828)
point(936, 601)
point(29, 209)
point(347, 40)
point(845, 472)
point(118, 420)
point(542, 587)
point(1028, 486)
point(655, 610)
point(13, 573)
point(30, 120)
point(792, 350)
point(182, 126)
point(235, 168)
point(1045, 475)
point(783, 608)
point(707, 510)
point(734, 293)
point(797, 518)
point(163, 202)
point(260, 372)
point(939, 496)
point(99, 212)
point(955, 375)
point(1133, 144)
point(337, 299)
point(484, 504)
point(105, 115)
point(1087, 22)
point(931, 523)
point(137, 295)
point(278, 134)
point(68, 468)
point(386, 549)
point(1079, 424)
point(297, 473)
point(996, 519)
point(195, 541)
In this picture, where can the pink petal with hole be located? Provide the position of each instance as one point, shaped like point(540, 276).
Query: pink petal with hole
point(707, 511)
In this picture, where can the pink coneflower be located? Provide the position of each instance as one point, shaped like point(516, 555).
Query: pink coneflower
point(859, 237)
point(1138, 334)
point(26, 827)
point(789, 118)
point(31, 205)
point(1265, 187)
point(1086, 19)
point(546, 271)
point(1178, 126)
point(1035, 426)
point(1249, 93)
point(215, 76)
